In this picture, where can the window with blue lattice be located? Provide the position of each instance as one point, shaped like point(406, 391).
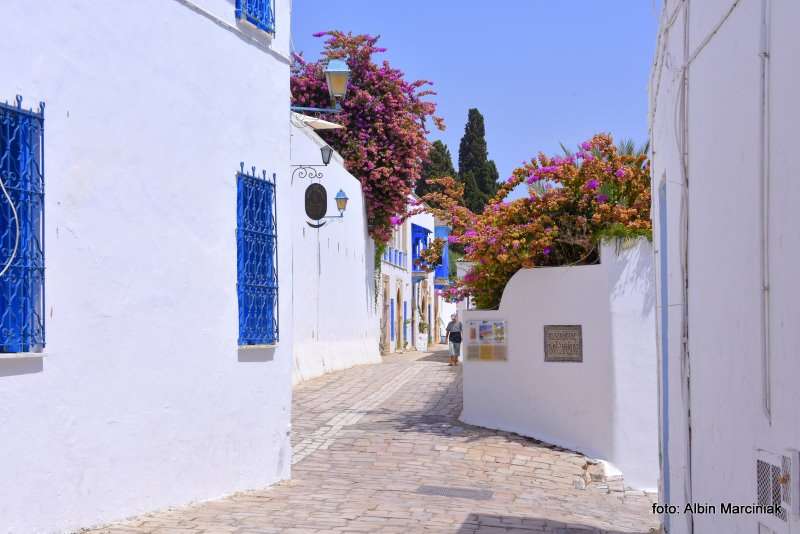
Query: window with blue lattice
point(257, 254)
point(21, 220)
point(259, 13)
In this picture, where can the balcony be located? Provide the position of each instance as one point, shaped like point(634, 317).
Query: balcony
point(395, 257)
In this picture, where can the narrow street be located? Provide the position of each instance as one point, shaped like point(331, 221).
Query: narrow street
point(378, 448)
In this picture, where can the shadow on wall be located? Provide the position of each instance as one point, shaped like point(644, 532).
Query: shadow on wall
point(257, 353)
point(636, 276)
point(21, 366)
point(486, 523)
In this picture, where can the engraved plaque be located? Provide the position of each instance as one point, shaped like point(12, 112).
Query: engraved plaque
point(316, 202)
point(563, 343)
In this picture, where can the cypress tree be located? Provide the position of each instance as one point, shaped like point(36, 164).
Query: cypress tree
point(439, 164)
point(478, 173)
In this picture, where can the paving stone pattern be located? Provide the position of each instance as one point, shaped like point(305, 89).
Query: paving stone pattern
point(379, 448)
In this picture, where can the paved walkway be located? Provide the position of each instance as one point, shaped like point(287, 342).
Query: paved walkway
point(379, 448)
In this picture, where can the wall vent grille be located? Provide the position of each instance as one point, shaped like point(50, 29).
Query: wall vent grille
point(772, 485)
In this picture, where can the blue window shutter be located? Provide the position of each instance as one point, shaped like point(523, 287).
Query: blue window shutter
point(405, 318)
point(391, 320)
point(22, 174)
point(259, 13)
point(257, 259)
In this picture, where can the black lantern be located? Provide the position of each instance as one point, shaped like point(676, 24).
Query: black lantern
point(326, 152)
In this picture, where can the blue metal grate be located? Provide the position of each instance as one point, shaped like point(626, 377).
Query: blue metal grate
point(257, 262)
point(391, 321)
point(259, 13)
point(22, 174)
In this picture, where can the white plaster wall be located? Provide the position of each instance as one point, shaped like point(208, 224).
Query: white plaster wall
point(335, 312)
point(728, 421)
point(143, 400)
point(605, 406)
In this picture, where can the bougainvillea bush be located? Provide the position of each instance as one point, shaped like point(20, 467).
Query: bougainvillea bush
point(573, 202)
point(385, 119)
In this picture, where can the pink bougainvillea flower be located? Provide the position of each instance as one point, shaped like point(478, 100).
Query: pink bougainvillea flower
point(586, 145)
point(385, 118)
point(523, 232)
point(620, 172)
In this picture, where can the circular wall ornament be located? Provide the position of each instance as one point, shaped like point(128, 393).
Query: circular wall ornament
point(316, 202)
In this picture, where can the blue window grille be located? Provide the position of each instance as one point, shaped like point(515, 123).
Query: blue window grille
point(21, 228)
point(257, 261)
point(391, 321)
point(259, 13)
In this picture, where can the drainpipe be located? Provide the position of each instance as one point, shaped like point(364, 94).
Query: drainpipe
point(764, 209)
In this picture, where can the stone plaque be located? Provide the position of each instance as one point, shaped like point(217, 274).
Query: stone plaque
point(316, 202)
point(563, 343)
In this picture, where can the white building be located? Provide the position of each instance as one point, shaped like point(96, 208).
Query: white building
point(140, 397)
point(724, 113)
point(333, 289)
point(407, 291)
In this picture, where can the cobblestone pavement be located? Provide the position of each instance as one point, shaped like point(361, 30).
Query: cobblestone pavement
point(379, 448)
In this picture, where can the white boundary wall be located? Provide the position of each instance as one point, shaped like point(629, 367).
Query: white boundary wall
point(605, 406)
point(142, 399)
point(732, 111)
point(333, 268)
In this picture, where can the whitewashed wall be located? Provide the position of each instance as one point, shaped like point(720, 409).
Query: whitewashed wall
point(142, 400)
point(335, 312)
point(604, 406)
point(720, 194)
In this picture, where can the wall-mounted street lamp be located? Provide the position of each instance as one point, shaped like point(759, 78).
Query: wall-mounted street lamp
point(337, 74)
point(327, 152)
point(341, 202)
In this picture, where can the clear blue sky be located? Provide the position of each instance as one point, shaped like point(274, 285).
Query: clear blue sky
point(540, 71)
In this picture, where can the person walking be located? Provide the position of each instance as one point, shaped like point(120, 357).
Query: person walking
point(454, 338)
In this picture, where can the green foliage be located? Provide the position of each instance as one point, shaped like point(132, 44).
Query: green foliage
point(627, 147)
point(476, 171)
point(380, 248)
point(439, 164)
point(620, 231)
point(474, 198)
point(453, 257)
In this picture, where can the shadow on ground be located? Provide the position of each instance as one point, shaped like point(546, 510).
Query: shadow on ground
point(441, 356)
point(439, 415)
point(490, 523)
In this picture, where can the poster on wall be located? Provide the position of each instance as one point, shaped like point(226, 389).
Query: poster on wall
point(486, 341)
